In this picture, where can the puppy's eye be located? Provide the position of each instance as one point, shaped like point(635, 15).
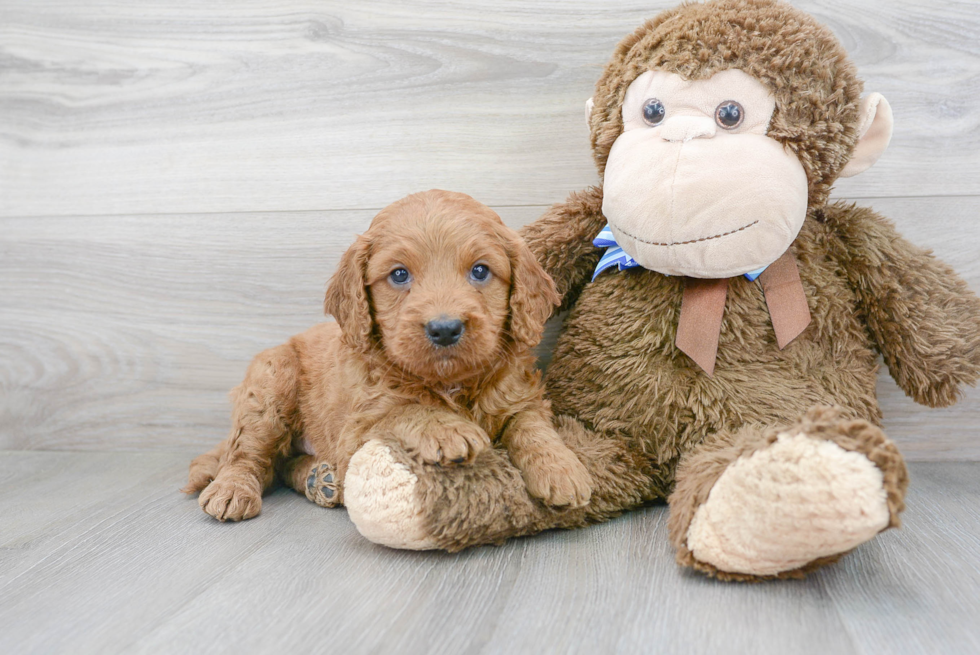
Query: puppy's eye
point(729, 114)
point(480, 273)
point(399, 276)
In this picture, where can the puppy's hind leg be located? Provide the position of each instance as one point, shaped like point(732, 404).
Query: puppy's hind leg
point(319, 480)
point(204, 468)
point(263, 421)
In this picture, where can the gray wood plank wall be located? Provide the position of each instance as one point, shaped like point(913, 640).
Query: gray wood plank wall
point(178, 179)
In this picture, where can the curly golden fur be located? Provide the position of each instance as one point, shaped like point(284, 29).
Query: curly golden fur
point(306, 406)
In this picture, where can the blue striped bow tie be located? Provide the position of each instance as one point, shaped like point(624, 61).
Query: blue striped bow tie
point(615, 255)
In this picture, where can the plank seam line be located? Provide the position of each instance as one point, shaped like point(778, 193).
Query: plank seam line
point(259, 212)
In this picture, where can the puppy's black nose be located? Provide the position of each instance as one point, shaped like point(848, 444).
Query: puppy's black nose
point(444, 331)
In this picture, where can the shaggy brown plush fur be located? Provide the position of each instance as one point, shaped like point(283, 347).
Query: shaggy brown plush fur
point(631, 405)
point(305, 407)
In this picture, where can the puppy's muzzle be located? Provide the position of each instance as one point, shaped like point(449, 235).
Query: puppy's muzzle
point(444, 331)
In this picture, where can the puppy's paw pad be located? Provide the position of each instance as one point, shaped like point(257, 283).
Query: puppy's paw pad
point(322, 486)
point(231, 500)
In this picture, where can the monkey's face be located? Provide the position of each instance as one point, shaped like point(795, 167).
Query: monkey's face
point(694, 186)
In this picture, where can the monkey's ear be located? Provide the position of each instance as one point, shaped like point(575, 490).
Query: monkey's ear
point(589, 104)
point(347, 298)
point(533, 296)
point(874, 133)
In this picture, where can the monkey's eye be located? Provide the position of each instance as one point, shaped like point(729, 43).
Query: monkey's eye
point(480, 273)
point(400, 276)
point(729, 114)
point(653, 111)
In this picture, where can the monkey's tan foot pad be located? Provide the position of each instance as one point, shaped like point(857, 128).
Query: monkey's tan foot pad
point(322, 486)
point(382, 500)
point(789, 507)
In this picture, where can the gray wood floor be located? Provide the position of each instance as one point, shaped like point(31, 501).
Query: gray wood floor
point(99, 553)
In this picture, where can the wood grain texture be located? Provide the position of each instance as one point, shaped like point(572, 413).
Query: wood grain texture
point(939, 541)
point(128, 332)
point(171, 106)
point(124, 563)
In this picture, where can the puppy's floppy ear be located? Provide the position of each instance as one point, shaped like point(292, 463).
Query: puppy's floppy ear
point(347, 297)
point(533, 296)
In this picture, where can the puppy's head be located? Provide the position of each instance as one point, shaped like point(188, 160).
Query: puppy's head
point(442, 285)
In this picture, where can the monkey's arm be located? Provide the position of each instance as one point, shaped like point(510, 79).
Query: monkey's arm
point(923, 316)
point(561, 240)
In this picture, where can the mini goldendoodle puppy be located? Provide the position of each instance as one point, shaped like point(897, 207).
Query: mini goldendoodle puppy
point(438, 305)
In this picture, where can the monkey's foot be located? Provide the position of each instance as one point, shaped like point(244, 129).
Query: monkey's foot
point(383, 501)
point(786, 502)
point(400, 502)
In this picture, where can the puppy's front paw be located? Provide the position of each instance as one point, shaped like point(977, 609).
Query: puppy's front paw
point(456, 442)
point(558, 478)
point(231, 498)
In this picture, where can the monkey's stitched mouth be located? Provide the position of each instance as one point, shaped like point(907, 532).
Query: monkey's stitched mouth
point(682, 243)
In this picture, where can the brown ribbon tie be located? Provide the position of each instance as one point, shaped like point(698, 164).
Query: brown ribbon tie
point(703, 305)
point(699, 326)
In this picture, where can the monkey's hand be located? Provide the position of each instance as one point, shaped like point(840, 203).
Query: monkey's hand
point(923, 316)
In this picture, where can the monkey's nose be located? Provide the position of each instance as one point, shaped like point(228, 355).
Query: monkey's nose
point(685, 128)
point(444, 331)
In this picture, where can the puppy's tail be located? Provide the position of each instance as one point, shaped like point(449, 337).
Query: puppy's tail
point(203, 469)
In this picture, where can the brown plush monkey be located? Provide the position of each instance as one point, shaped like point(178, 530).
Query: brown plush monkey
point(718, 129)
